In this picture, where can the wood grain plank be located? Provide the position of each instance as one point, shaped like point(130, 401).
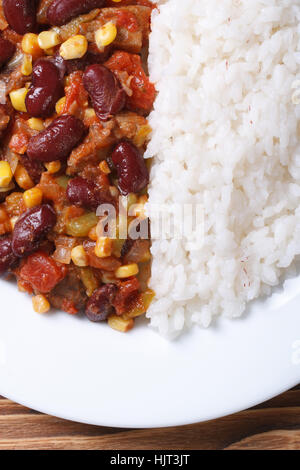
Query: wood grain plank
point(277, 440)
point(8, 407)
point(290, 398)
point(218, 434)
point(274, 440)
point(37, 425)
point(62, 443)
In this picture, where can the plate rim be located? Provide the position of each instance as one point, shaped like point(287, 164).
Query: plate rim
point(267, 397)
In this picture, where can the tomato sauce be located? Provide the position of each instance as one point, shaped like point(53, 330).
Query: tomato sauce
point(143, 91)
point(127, 20)
point(88, 115)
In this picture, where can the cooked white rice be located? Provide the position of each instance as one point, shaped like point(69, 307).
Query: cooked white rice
point(226, 135)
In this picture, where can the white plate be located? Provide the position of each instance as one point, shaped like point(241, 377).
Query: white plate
point(68, 367)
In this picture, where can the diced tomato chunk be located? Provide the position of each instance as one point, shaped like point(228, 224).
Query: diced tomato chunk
point(122, 3)
point(143, 91)
point(109, 264)
point(42, 272)
point(127, 20)
point(76, 95)
point(19, 143)
point(71, 212)
point(52, 191)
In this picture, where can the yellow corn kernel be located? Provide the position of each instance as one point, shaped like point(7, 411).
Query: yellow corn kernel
point(48, 39)
point(106, 35)
point(104, 167)
point(131, 200)
point(128, 270)
point(59, 107)
point(100, 229)
point(116, 1)
point(140, 210)
point(40, 304)
point(93, 234)
point(74, 48)
point(142, 135)
point(103, 247)
point(13, 221)
point(120, 324)
point(33, 197)
point(5, 174)
point(26, 68)
point(36, 124)
point(21, 287)
point(53, 167)
point(22, 178)
point(89, 113)
point(17, 98)
point(79, 256)
point(30, 45)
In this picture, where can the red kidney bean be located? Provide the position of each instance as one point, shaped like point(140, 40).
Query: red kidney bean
point(7, 258)
point(62, 11)
point(82, 192)
point(44, 73)
point(99, 306)
point(57, 141)
point(33, 167)
point(46, 89)
point(131, 168)
point(86, 193)
point(105, 90)
point(20, 15)
point(7, 50)
point(39, 102)
point(31, 229)
point(60, 63)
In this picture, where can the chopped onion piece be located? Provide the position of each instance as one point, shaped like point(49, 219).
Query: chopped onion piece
point(3, 91)
point(12, 159)
point(64, 246)
point(5, 189)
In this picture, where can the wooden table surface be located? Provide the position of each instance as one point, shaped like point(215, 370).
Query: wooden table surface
point(273, 425)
